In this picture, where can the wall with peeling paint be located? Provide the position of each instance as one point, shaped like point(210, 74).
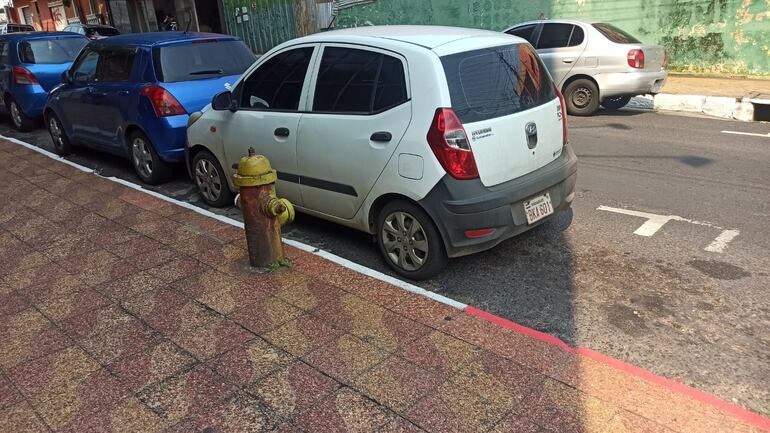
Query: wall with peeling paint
point(702, 36)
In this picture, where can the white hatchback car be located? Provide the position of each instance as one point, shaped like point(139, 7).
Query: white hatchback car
point(440, 141)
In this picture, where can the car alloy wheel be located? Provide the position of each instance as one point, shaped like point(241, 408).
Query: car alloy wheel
point(141, 157)
point(56, 133)
point(208, 179)
point(16, 114)
point(405, 241)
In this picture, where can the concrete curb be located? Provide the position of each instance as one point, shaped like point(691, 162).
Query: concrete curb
point(717, 106)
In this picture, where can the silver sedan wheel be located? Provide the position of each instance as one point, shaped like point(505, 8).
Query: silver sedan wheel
point(581, 97)
point(141, 157)
point(15, 114)
point(405, 241)
point(56, 133)
point(208, 180)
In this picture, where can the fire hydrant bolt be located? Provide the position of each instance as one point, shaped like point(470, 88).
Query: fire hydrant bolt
point(263, 212)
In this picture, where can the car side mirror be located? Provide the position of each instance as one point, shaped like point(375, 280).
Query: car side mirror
point(65, 77)
point(224, 101)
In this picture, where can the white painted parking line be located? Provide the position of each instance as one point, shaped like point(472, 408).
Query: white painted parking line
point(720, 243)
point(753, 134)
point(655, 222)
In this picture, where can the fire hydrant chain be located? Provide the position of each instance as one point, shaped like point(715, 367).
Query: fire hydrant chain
point(263, 212)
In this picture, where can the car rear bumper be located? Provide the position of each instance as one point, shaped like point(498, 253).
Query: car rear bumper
point(457, 206)
point(31, 99)
point(631, 83)
point(169, 136)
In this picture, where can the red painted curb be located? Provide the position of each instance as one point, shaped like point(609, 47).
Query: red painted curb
point(737, 411)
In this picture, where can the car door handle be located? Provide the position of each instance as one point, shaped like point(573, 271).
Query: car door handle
point(281, 132)
point(568, 60)
point(381, 136)
point(123, 93)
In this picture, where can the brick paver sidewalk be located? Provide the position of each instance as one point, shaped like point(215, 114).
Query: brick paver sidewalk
point(710, 86)
point(121, 312)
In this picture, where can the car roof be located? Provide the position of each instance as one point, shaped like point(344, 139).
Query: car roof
point(425, 36)
point(19, 36)
point(150, 39)
point(566, 21)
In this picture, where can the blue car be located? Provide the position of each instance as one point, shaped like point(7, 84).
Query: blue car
point(31, 64)
point(131, 95)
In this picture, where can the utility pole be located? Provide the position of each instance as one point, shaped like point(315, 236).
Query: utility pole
point(306, 17)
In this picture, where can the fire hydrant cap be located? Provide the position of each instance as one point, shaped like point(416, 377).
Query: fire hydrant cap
point(254, 170)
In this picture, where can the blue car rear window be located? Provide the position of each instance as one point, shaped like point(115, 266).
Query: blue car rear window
point(51, 51)
point(201, 60)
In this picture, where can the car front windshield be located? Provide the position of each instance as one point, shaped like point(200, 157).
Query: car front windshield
point(51, 51)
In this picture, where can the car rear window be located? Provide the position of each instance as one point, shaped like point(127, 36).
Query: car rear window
point(496, 81)
point(102, 31)
point(201, 60)
point(51, 51)
point(615, 34)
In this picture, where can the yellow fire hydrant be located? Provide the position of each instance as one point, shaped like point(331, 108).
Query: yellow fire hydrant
point(263, 212)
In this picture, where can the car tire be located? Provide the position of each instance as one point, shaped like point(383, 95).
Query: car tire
point(210, 180)
point(582, 97)
point(419, 254)
point(616, 102)
point(61, 143)
point(19, 120)
point(147, 164)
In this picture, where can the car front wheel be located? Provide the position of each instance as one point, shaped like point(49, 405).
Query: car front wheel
point(409, 241)
point(147, 164)
point(210, 180)
point(582, 97)
point(616, 102)
point(61, 143)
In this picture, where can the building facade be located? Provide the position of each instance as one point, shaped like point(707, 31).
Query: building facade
point(51, 15)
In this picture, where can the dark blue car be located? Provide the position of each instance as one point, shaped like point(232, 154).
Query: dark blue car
point(31, 64)
point(131, 95)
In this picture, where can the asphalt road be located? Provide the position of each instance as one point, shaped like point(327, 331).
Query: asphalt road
point(668, 302)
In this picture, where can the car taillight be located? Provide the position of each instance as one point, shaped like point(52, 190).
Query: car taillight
point(162, 101)
point(665, 59)
point(636, 58)
point(562, 114)
point(450, 144)
point(21, 75)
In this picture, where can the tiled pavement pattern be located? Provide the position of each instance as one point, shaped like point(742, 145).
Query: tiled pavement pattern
point(120, 312)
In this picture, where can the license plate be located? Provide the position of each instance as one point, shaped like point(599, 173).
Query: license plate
point(538, 208)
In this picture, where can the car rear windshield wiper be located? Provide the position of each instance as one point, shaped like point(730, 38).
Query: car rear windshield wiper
point(208, 72)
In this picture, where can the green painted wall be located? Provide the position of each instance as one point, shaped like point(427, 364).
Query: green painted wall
point(702, 36)
point(262, 24)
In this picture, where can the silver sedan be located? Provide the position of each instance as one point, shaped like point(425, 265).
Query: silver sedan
point(595, 63)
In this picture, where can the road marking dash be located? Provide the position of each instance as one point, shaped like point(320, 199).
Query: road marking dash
point(720, 243)
point(753, 134)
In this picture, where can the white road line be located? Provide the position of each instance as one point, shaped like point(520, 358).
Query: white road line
point(655, 222)
point(299, 245)
point(753, 134)
point(720, 243)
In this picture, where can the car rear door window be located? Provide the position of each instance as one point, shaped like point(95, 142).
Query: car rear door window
point(495, 82)
point(4, 52)
point(577, 36)
point(526, 32)
point(277, 83)
point(358, 82)
point(201, 59)
point(50, 51)
point(116, 64)
point(554, 35)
